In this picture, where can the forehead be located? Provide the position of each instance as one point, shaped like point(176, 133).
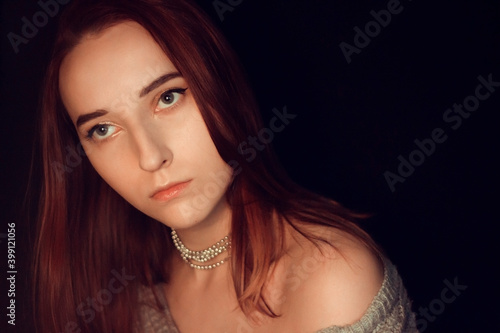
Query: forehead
point(119, 60)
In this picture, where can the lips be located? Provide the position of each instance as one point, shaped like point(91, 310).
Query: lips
point(170, 191)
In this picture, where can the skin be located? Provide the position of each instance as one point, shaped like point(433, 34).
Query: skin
point(145, 142)
point(150, 143)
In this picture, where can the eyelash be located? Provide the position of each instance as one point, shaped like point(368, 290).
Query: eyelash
point(90, 133)
point(181, 91)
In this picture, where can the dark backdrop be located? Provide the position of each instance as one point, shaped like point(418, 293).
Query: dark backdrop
point(354, 123)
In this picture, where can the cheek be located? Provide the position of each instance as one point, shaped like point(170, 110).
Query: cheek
point(199, 142)
point(113, 166)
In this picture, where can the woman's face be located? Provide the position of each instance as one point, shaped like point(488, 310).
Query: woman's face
point(141, 128)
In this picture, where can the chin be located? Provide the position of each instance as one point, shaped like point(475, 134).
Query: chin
point(182, 218)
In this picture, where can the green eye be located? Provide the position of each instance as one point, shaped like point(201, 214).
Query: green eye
point(101, 131)
point(170, 98)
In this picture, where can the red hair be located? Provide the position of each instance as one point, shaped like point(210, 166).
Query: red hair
point(87, 232)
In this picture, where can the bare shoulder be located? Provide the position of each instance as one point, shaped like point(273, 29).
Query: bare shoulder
point(331, 285)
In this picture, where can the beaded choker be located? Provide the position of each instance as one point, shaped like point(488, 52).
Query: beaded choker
point(202, 256)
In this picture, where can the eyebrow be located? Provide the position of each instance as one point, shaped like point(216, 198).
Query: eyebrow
point(158, 82)
point(146, 90)
point(89, 116)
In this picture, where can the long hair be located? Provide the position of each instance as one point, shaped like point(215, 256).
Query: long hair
point(88, 236)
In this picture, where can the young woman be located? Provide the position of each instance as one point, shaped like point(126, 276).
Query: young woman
point(152, 217)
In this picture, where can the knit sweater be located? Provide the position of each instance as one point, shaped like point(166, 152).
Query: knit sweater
point(390, 311)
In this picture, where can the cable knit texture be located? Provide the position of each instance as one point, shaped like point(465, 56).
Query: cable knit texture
point(389, 312)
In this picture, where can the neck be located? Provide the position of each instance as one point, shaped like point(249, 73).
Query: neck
point(199, 279)
point(209, 231)
point(199, 237)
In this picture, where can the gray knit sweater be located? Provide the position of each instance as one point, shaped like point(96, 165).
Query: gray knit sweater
point(389, 312)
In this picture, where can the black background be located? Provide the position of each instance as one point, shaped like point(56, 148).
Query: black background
point(353, 121)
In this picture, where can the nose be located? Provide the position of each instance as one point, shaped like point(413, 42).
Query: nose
point(153, 152)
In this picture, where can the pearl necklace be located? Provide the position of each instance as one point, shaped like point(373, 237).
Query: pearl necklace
point(202, 256)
